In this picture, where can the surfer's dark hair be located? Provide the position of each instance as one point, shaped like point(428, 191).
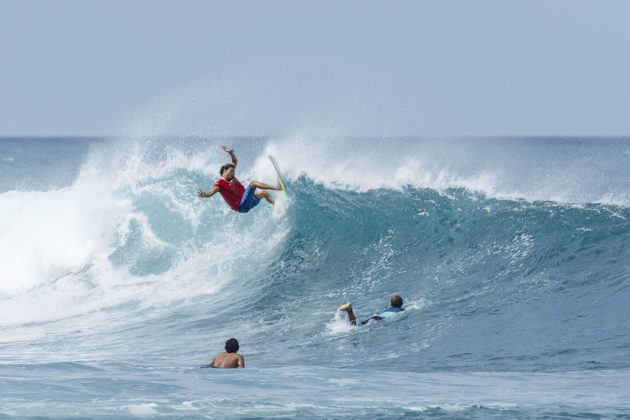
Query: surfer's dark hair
point(225, 167)
point(231, 346)
point(396, 301)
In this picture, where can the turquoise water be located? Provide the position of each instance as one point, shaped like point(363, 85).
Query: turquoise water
point(117, 282)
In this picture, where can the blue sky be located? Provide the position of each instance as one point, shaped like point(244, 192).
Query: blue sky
point(387, 68)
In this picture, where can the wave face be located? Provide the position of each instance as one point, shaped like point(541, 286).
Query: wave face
point(511, 256)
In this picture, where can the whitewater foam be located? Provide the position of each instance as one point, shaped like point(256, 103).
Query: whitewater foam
point(130, 228)
point(48, 235)
point(498, 168)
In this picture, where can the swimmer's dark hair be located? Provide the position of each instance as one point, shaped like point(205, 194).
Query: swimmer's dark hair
point(397, 301)
point(231, 346)
point(225, 167)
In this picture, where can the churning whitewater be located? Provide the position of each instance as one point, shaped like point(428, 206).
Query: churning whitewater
point(117, 282)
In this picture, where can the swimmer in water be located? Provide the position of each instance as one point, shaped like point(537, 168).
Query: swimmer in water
point(396, 306)
point(229, 358)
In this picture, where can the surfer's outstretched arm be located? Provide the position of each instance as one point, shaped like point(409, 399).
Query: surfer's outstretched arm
point(230, 151)
point(208, 194)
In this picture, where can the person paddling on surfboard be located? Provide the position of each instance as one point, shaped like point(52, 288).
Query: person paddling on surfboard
point(239, 198)
point(396, 306)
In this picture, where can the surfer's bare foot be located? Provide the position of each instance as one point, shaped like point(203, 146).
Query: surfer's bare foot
point(345, 307)
point(279, 187)
point(266, 196)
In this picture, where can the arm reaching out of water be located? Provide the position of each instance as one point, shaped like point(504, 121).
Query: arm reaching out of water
point(347, 307)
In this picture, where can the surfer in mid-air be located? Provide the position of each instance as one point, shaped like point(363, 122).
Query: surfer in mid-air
point(239, 198)
point(396, 306)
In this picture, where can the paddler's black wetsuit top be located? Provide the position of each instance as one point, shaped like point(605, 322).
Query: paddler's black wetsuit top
point(389, 312)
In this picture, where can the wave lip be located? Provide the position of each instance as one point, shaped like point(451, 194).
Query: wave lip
point(564, 170)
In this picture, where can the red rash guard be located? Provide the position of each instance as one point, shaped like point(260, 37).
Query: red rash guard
point(232, 194)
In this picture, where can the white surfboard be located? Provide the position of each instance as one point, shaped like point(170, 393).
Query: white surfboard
point(281, 181)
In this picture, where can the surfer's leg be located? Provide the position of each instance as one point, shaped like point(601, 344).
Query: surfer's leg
point(347, 307)
point(265, 195)
point(249, 200)
point(262, 185)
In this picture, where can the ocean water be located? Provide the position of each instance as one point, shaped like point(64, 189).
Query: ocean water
point(512, 256)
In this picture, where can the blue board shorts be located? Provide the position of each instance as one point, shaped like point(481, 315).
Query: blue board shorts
point(249, 200)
